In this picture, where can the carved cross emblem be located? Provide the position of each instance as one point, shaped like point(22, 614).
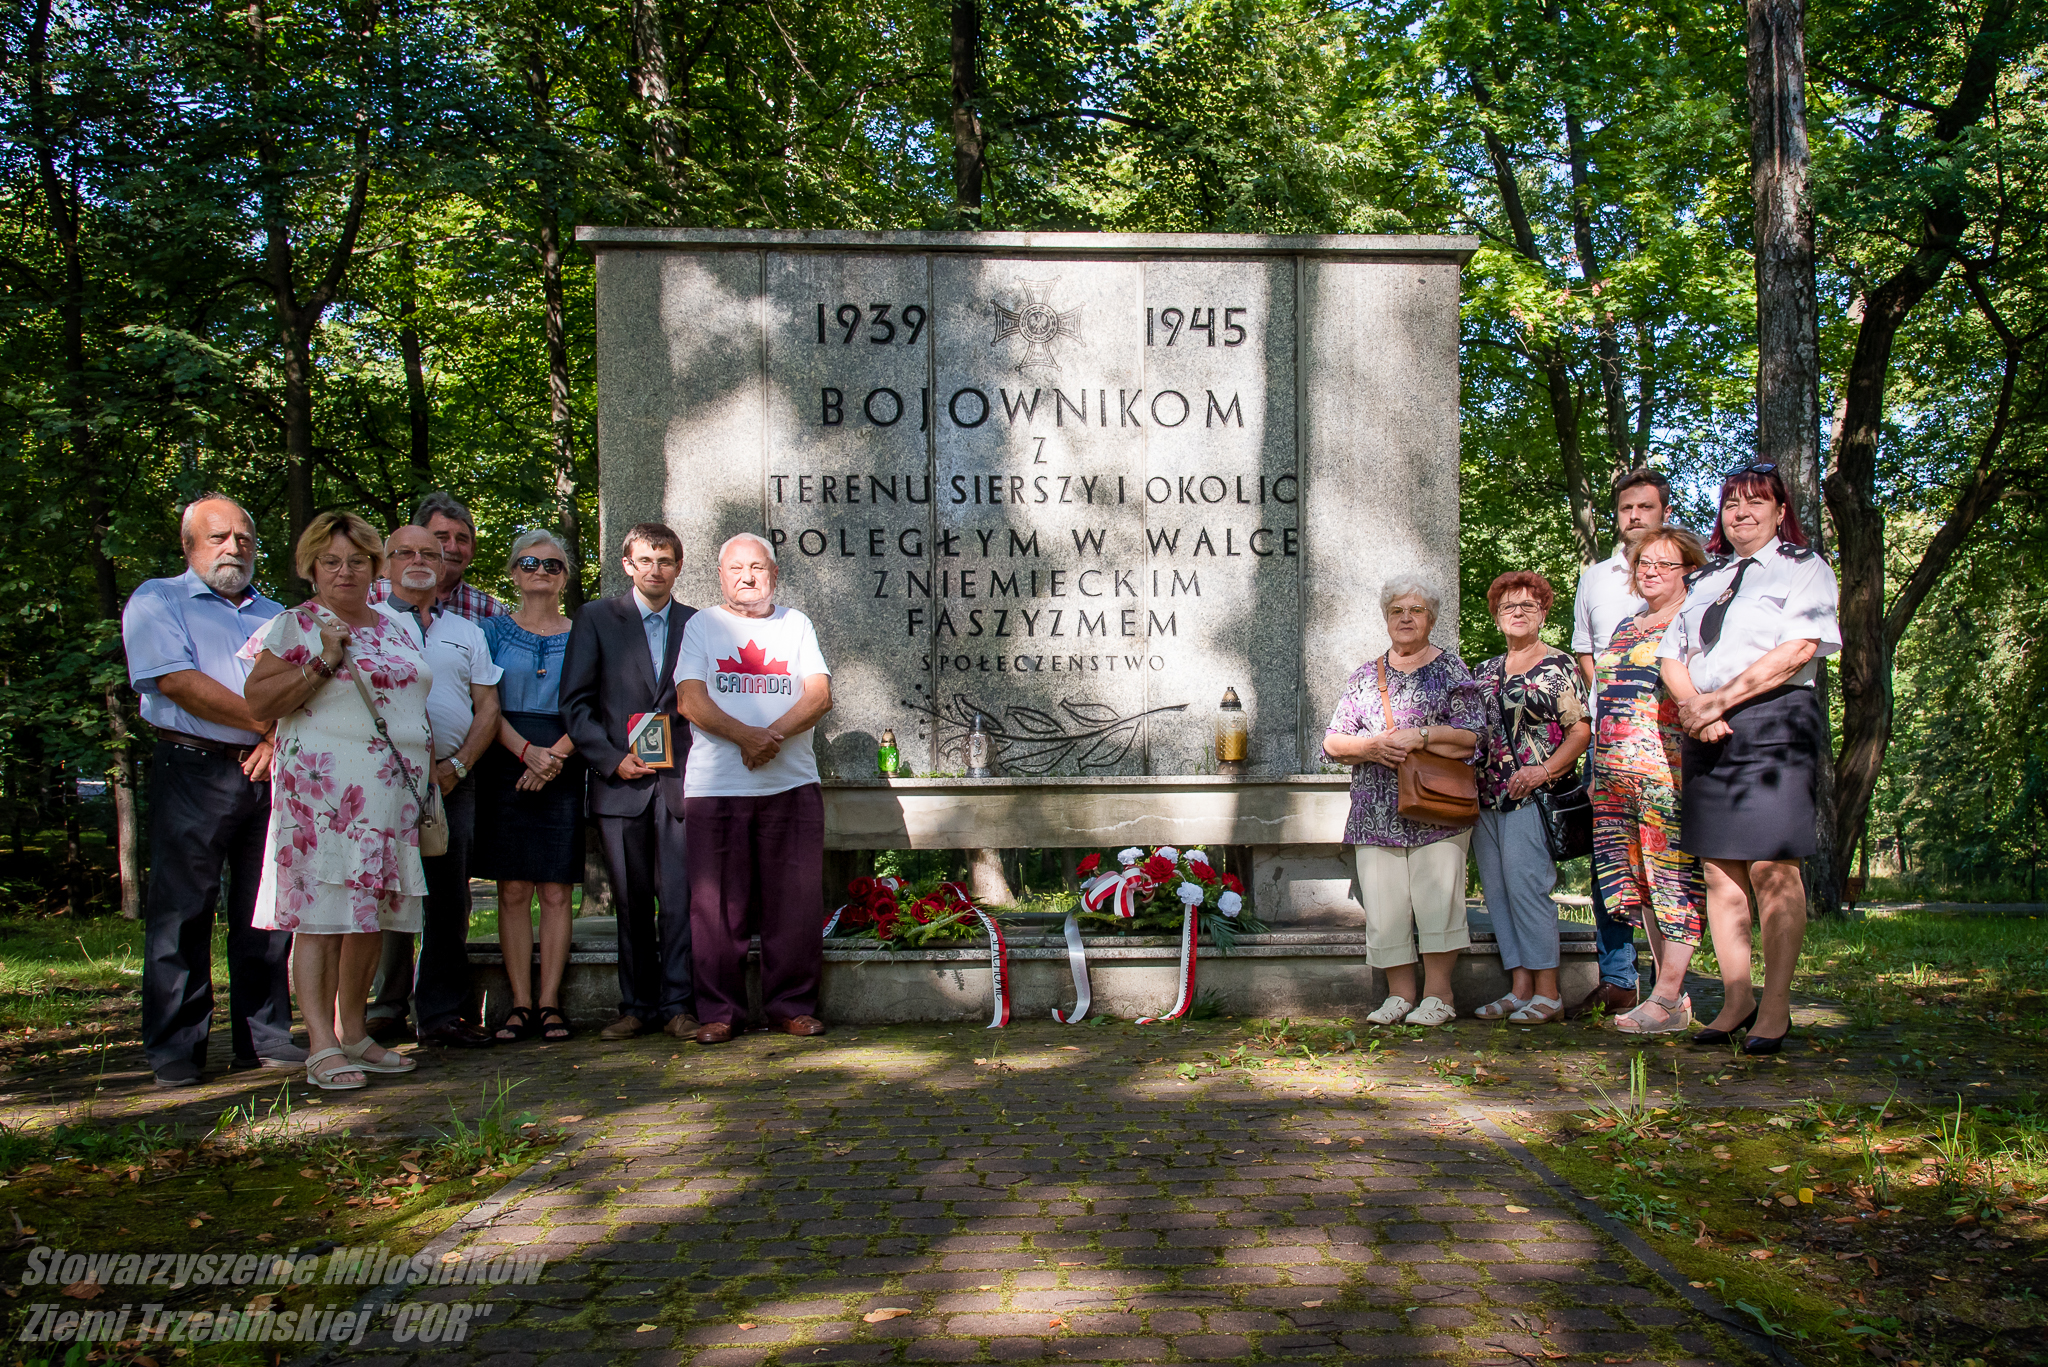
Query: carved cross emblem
point(1036, 321)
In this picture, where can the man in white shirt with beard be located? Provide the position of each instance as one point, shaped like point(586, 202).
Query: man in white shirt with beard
point(1606, 599)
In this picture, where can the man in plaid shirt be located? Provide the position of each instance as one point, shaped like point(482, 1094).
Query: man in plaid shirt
point(443, 515)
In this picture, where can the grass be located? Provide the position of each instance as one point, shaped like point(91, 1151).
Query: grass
point(1839, 1226)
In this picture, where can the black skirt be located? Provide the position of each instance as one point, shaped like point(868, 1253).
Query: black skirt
point(1750, 796)
point(528, 837)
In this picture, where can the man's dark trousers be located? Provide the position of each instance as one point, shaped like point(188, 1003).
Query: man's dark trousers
point(439, 989)
point(204, 814)
point(766, 853)
point(648, 859)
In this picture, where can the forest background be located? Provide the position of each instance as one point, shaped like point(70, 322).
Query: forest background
point(313, 254)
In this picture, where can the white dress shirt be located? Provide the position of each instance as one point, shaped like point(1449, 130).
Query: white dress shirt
point(1605, 600)
point(459, 656)
point(1789, 594)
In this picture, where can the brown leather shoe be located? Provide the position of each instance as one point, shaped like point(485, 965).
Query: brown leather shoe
point(801, 1025)
point(682, 1026)
point(1615, 999)
point(625, 1027)
point(717, 1032)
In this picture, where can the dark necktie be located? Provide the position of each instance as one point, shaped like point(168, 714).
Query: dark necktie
point(1710, 625)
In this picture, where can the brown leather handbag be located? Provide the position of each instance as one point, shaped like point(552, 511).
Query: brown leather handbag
point(1434, 790)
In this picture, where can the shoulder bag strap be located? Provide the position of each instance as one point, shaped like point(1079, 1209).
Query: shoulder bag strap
point(355, 673)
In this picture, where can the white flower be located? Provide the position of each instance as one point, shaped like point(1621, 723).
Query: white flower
point(1190, 893)
point(1230, 903)
point(1130, 856)
point(1199, 856)
point(1167, 852)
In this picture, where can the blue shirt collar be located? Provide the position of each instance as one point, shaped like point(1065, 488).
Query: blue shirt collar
point(647, 612)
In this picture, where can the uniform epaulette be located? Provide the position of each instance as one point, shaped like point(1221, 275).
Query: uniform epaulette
point(1714, 562)
point(1794, 553)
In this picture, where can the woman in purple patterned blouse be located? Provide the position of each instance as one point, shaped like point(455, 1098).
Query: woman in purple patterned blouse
point(1411, 876)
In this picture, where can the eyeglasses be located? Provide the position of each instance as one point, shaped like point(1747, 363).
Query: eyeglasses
point(531, 563)
point(410, 553)
point(1665, 565)
point(1518, 609)
point(333, 563)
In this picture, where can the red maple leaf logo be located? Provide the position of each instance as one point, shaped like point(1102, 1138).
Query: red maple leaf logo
point(753, 660)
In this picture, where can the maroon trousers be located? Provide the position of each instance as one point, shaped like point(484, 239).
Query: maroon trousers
point(749, 855)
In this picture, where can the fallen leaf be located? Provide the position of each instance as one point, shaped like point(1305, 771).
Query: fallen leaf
point(1699, 1286)
point(85, 1290)
point(647, 1328)
point(984, 1288)
point(567, 1119)
point(279, 1201)
point(1517, 1210)
point(887, 1312)
point(1075, 1048)
point(1760, 1253)
point(1782, 1167)
point(408, 1165)
point(1937, 1276)
point(1056, 1324)
point(1873, 1264)
point(1073, 1264)
point(262, 1303)
point(1790, 1200)
point(1311, 1305)
point(750, 1326)
point(1806, 1196)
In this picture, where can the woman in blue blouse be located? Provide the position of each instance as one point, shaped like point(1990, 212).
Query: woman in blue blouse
point(529, 802)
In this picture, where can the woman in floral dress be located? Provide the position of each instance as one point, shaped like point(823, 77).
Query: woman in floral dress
point(342, 862)
point(1537, 727)
point(1644, 877)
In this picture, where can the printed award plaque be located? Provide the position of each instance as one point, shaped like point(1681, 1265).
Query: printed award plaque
point(648, 734)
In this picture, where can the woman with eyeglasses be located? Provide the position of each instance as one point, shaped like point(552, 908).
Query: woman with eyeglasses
point(1538, 725)
point(529, 808)
point(1644, 877)
point(1741, 658)
point(342, 862)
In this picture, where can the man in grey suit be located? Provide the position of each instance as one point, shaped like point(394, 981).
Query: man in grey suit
point(620, 657)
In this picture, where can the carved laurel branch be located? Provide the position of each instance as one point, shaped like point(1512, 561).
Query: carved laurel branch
point(1033, 741)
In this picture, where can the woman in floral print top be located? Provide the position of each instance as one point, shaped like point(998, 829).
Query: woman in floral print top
point(342, 861)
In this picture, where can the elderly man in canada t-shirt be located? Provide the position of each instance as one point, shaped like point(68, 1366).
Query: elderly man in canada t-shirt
point(753, 683)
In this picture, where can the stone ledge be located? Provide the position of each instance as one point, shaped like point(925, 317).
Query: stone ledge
point(1356, 246)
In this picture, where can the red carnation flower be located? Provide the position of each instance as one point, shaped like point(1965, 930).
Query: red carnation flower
point(1157, 869)
point(1230, 881)
point(1202, 872)
point(1088, 865)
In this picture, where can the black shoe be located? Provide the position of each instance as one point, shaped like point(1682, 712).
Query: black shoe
point(1757, 1045)
point(1713, 1036)
point(457, 1035)
point(178, 1074)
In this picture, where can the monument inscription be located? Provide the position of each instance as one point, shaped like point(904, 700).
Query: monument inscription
point(1075, 484)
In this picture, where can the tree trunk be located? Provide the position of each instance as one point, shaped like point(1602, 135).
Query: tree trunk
point(1788, 329)
point(1607, 338)
point(985, 877)
point(650, 79)
point(559, 422)
point(1851, 484)
point(416, 409)
point(968, 144)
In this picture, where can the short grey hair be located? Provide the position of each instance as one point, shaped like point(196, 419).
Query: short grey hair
point(526, 541)
point(441, 503)
point(210, 496)
point(756, 537)
point(1406, 585)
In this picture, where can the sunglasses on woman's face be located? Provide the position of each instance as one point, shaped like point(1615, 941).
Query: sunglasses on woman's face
point(532, 563)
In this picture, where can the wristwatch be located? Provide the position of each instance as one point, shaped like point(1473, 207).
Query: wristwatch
point(461, 769)
point(1425, 737)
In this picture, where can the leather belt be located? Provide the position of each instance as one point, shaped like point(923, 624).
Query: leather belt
point(238, 753)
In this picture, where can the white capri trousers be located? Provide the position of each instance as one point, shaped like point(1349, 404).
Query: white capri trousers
point(1414, 898)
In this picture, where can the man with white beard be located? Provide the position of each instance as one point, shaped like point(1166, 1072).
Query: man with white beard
point(209, 802)
point(462, 708)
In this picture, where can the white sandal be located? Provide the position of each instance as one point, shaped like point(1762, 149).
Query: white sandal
point(1431, 1011)
point(1677, 1017)
point(1391, 1010)
point(1502, 1009)
point(392, 1062)
point(1538, 1011)
point(325, 1082)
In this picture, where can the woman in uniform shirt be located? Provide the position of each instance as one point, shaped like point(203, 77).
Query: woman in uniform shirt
point(1741, 658)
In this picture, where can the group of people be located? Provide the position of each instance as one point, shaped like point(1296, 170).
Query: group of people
point(340, 770)
point(1691, 685)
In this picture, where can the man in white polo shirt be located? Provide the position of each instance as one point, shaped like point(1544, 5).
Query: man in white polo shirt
point(1607, 598)
point(753, 683)
point(462, 708)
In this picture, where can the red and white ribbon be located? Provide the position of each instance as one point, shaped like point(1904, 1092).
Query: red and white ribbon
point(998, 969)
point(1118, 890)
point(1077, 964)
point(1187, 973)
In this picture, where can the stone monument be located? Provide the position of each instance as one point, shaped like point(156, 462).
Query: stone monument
point(1076, 483)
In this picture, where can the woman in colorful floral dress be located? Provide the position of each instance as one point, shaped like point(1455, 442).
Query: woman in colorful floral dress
point(1537, 727)
point(1644, 877)
point(342, 863)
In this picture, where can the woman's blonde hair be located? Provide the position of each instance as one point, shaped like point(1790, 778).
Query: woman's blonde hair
point(1689, 550)
point(323, 529)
